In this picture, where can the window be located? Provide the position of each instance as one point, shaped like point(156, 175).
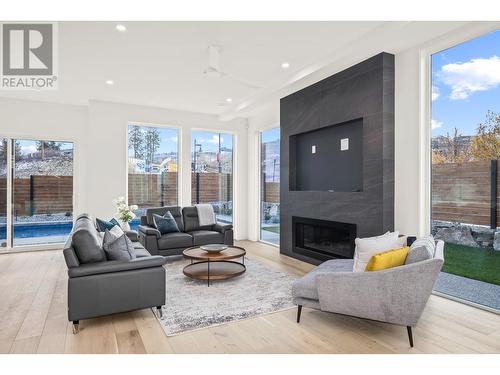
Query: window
point(212, 172)
point(270, 186)
point(465, 176)
point(41, 190)
point(152, 167)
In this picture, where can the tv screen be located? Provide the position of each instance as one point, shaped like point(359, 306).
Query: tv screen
point(328, 159)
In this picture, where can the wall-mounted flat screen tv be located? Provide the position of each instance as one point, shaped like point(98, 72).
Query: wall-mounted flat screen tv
point(328, 158)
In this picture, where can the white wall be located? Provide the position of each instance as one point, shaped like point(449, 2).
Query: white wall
point(106, 161)
point(99, 132)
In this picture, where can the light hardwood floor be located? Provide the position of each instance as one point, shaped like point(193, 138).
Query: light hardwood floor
point(33, 320)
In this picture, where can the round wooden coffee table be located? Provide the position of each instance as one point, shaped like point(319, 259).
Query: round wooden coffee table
point(214, 266)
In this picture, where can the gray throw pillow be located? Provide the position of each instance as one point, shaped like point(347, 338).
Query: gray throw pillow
point(87, 245)
point(120, 248)
point(427, 242)
point(417, 254)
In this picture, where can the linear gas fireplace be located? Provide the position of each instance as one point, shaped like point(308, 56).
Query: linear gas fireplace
point(323, 239)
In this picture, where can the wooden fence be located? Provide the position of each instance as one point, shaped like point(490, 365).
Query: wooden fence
point(152, 190)
point(39, 195)
point(271, 192)
point(460, 192)
point(161, 190)
point(466, 192)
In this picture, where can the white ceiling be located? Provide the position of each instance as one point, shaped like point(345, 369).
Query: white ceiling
point(161, 63)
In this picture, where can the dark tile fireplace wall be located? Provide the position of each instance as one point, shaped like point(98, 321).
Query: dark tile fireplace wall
point(364, 91)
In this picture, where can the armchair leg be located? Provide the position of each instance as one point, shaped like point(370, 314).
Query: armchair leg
point(299, 311)
point(76, 326)
point(410, 335)
point(159, 311)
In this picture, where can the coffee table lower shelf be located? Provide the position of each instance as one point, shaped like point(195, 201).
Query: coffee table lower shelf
point(214, 270)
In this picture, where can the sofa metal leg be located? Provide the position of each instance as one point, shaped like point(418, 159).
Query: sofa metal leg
point(76, 326)
point(299, 311)
point(410, 335)
point(159, 311)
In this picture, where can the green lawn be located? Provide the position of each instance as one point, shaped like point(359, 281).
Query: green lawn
point(275, 229)
point(475, 263)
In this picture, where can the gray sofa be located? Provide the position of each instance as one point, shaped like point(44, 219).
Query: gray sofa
point(396, 295)
point(98, 287)
point(191, 233)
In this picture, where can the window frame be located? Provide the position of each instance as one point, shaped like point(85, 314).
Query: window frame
point(10, 170)
point(179, 154)
point(259, 183)
point(464, 35)
point(235, 180)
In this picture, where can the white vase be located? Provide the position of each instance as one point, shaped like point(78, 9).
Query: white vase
point(125, 225)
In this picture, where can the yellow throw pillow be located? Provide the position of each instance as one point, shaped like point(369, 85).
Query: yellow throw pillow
point(387, 259)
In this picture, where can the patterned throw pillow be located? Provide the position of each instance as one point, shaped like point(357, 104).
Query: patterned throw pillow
point(166, 223)
point(120, 248)
point(102, 225)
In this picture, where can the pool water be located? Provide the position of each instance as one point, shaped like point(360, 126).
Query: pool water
point(36, 230)
point(29, 230)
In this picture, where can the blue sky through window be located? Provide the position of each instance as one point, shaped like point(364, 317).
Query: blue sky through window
point(209, 141)
point(168, 140)
point(30, 146)
point(270, 135)
point(466, 84)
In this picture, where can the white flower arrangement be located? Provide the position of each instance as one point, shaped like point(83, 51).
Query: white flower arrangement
point(124, 212)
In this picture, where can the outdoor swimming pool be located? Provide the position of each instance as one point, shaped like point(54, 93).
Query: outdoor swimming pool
point(38, 232)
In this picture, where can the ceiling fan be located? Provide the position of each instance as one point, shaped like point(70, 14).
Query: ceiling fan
point(213, 69)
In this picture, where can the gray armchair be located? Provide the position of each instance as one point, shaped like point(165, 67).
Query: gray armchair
point(98, 287)
point(396, 295)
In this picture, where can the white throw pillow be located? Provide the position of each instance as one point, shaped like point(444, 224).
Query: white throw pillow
point(427, 242)
point(370, 246)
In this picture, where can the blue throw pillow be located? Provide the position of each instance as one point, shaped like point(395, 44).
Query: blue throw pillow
point(102, 225)
point(166, 223)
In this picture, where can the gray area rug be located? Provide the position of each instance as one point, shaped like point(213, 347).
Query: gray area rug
point(470, 290)
point(191, 305)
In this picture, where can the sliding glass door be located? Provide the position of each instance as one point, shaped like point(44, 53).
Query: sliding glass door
point(40, 188)
point(270, 186)
point(212, 172)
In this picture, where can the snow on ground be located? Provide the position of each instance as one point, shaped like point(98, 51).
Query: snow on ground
point(60, 166)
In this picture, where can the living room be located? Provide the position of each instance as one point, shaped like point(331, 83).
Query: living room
point(215, 187)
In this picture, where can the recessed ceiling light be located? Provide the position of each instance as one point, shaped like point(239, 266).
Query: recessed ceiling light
point(285, 65)
point(229, 100)
point(121, 28)
point(110, 82)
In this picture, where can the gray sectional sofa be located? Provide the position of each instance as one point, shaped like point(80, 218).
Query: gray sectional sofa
point(191, 233)
point(98, 287)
